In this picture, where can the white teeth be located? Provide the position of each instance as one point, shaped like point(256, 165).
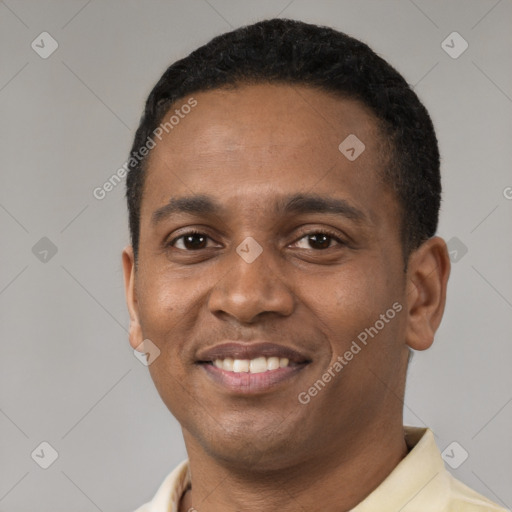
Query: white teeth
point(228, 364)
point(241, 365)
point(273, 363)
point(256, 365)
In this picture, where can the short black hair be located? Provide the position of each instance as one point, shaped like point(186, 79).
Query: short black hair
point(297, 53)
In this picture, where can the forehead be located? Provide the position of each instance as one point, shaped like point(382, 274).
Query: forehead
point(259, 139)
point(268, 115)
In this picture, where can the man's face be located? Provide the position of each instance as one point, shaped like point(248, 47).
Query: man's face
point(250, 150)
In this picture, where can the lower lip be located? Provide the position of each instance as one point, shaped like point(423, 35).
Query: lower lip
point(245, 383)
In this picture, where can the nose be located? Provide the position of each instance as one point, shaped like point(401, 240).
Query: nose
point(250, 289)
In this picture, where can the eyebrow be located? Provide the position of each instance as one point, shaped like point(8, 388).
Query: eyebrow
point(204, 205)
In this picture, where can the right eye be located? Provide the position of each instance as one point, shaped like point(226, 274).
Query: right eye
point(192, 241)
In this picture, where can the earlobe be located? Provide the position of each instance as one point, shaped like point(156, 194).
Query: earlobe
point(135, 333)
point(427, 278)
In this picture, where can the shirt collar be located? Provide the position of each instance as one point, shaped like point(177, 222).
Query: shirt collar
point(419, 482)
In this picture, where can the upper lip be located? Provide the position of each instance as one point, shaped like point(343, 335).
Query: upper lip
point(238, 350)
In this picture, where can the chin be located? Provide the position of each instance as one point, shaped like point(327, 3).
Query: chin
point(251, 459)
point(249, 446)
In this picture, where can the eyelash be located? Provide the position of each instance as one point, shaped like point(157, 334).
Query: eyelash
point(323, 231)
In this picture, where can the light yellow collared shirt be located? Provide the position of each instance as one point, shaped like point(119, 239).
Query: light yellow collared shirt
point(419, 483)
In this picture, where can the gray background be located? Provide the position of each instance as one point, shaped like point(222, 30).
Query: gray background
point(68, 375)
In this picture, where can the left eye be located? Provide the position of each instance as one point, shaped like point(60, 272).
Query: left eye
point(319, 240)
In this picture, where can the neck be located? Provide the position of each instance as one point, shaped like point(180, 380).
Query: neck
point(338, 480)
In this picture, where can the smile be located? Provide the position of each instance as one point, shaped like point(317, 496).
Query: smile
point(245, 382)
point(251, 368)
point(257, 365)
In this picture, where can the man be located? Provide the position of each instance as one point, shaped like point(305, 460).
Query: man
point(283, 196)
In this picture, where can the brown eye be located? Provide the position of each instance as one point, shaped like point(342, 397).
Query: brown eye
point(319, 240)
point(191, 241)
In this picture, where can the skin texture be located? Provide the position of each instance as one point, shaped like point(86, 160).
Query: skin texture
point(247, 148)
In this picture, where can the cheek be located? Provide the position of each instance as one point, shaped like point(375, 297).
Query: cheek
point(164, 309)
point(353, 302)
point(359, 290)
point(166, 317)
point(163, 294)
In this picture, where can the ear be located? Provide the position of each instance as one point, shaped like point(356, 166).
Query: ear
point(129, 271)
point(427, 278)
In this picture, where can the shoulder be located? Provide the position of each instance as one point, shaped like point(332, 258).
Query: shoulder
point(465, 499)
point(169, 493)
point(144, 508)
